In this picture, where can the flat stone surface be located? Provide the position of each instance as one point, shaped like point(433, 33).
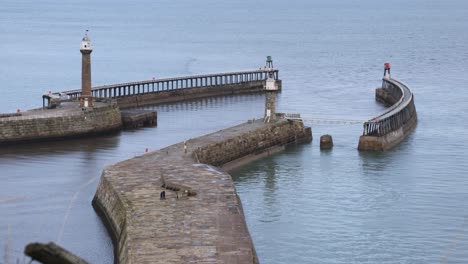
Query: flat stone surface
point(138, 118)
point(206, 228)
point(65, 108)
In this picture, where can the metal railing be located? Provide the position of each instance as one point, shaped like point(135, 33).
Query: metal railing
point(177, 83)
point(394, 117)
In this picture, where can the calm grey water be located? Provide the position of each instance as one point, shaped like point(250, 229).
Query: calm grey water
point(407, 205)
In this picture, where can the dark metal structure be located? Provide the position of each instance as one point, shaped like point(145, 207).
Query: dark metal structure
point(169, 84)
point(395, 116)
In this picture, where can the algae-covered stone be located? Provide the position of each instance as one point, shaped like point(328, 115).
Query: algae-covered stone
point(326, 142)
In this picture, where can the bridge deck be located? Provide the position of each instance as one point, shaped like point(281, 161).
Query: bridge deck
point(166, 84)
point(325, 119)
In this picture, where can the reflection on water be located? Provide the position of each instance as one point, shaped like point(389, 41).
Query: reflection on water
point(365, 207)
point(406, 205)
point(47, 187)
point(58, 147)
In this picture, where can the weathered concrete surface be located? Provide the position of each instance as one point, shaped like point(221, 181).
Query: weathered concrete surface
point(139, 118)
point(66, 121)
point(390, 140)
point(178, 95)
point(386, 98)
point(208, 227)
point(326, 142)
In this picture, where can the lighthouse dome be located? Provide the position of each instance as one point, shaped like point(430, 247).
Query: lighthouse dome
point(86, 43)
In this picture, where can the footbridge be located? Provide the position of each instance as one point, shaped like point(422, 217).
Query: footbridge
point(389, 128)
point(165, 90)
point(319, 119)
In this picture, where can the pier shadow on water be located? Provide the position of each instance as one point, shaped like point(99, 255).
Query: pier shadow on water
point(52, 147)
point(47, 187)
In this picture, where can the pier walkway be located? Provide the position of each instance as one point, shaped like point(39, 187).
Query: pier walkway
point(394, 116)
point(389, 128)
point(201, 218)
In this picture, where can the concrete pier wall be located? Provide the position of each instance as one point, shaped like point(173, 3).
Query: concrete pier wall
point(189, 94)
point(388, 141)
point(252, 143)
point(46, 124)
point(396, 124)
point(201, 220)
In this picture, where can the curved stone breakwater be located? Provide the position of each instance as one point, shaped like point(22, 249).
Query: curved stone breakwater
point(200, 220)
point(386, 130)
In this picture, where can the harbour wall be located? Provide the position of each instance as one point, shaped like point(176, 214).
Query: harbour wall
point(201, 220)
point(44, 124)
point(177, 95)
point(394, 125)
point(41, 124)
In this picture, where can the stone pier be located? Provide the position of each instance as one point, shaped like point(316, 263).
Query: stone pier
point(68, 120)
point(396, 123)
point(201, 218)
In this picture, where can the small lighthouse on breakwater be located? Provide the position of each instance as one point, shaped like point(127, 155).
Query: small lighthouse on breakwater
point(270, 88)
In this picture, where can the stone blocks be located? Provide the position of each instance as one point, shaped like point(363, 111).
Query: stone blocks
point(50, 124)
